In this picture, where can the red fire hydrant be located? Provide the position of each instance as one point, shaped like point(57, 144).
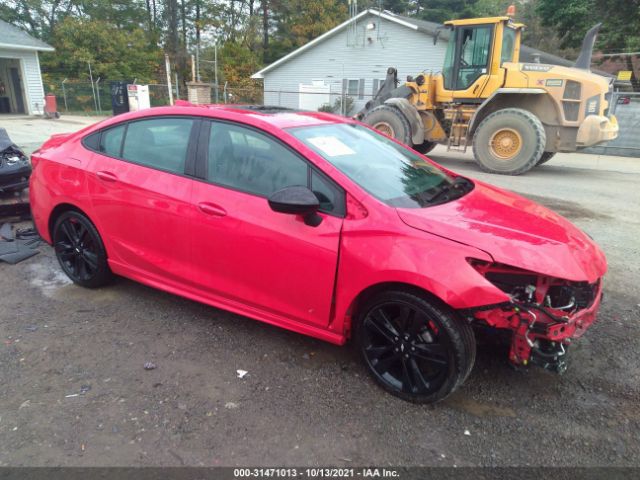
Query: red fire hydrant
point(51, 106)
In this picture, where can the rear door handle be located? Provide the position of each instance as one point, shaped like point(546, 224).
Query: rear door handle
point(107, 176)
point(212, 209)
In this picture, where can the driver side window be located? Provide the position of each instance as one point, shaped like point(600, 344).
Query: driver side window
point(474, 53)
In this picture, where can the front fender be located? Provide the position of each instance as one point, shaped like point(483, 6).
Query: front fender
point(414, 258)
point(411, 114)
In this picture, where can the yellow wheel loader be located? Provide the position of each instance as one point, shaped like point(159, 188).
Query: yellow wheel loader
point(516, 115)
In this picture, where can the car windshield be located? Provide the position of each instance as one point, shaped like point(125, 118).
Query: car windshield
point(391, 173)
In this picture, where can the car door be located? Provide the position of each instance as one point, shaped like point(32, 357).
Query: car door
point(244, 251)
point(141, 196)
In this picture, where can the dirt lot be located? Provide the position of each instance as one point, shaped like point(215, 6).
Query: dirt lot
point(74, 390)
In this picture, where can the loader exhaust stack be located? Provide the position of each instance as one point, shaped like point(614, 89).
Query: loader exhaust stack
point(584, 59)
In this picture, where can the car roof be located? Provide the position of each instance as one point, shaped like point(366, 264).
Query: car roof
point(257, 115)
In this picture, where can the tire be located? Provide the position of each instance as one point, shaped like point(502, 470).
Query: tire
point(546, 156)
point(414, 348)
point(391, 122)
point(80, 250)
point(509, 142)
point(425, 147)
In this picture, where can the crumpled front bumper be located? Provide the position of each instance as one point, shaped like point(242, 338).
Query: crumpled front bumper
point(597, 129)
point(540, 334)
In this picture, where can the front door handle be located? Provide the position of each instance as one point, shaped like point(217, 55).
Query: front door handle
point(107, 176)
point(212, 209)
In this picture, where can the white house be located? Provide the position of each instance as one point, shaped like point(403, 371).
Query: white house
point(354, 56)
point(21, 88)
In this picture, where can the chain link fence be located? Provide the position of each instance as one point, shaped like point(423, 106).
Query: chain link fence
point(626, 107)
point(95, 99)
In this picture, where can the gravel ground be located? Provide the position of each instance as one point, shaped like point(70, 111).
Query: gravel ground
point(75, 391)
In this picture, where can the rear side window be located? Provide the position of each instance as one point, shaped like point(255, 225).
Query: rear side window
point(160, 143)
point(92, 142)
point(111, 141)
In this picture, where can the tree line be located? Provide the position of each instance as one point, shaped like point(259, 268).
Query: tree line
point(127, 39)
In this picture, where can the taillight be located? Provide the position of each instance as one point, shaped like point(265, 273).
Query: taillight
point(35, 159)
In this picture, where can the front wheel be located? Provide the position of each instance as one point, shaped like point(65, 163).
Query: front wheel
point(414, 348)
point(390, 121)
point(80, 250)
point(546, 156)
point(509, 142)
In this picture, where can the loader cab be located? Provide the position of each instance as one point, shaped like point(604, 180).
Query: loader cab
point(476, 50)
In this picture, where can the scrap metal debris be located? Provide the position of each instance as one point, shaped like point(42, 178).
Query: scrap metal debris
point(149, 366)
point(15, 168)
point(15, 171)
point(18, 245)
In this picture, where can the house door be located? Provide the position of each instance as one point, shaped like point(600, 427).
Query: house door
point(16, 83)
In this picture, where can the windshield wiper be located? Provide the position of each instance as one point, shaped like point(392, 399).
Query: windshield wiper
point(457, 188)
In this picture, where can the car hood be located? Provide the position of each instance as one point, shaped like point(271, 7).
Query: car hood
point(514, 231)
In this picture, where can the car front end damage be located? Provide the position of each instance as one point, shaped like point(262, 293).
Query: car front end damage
point(544, 314)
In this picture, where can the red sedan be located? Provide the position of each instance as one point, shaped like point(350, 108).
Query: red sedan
point(318, 224)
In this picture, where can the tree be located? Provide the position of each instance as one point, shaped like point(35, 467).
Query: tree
point(297, 22)
point(572, 18)
point(114, 54)
point(38, 17)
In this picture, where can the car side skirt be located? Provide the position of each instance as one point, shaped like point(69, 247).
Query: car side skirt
point(225, 303)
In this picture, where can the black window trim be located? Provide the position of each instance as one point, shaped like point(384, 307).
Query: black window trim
point(202, 158)
point(458, 52)
point(190, 160)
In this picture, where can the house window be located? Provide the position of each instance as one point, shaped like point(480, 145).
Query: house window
point(353, 87)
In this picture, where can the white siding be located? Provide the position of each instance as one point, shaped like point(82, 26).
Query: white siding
point(31, 78)
point(332, 60)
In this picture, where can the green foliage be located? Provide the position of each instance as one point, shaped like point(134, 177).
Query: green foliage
point(113, 53)
point(572, 18)
point(237, 63)
point(349, 103)
point(297, 22)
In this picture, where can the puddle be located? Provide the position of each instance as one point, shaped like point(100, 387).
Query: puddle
point(478, 409)
point(53, 283)
point(49, 279)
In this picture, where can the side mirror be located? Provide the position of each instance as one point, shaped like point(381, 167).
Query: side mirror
point(297, 200)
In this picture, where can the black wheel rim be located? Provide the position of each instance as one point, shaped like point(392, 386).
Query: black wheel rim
point(76, 249)
point(405, 349)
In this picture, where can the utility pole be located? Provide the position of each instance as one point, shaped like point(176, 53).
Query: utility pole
point(93, 90)
point(167, 66)
point(215, 66)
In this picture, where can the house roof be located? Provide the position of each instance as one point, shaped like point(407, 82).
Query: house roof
point(17, 39)
point(527, 54)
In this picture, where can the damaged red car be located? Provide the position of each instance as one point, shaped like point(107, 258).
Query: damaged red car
point(320, 225)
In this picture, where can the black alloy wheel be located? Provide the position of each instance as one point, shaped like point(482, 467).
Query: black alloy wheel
point(415, 349)
point(80, 250)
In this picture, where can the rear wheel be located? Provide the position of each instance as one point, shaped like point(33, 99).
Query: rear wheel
point(509, 142)
point(414, 348)
point(546, 156)
point(80, 250)
point(425, 147)
point(391, 122)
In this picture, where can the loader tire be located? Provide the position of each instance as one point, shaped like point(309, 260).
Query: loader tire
point(546, 156)
point(509, 142)
point(390, 121)
point(425, 147)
